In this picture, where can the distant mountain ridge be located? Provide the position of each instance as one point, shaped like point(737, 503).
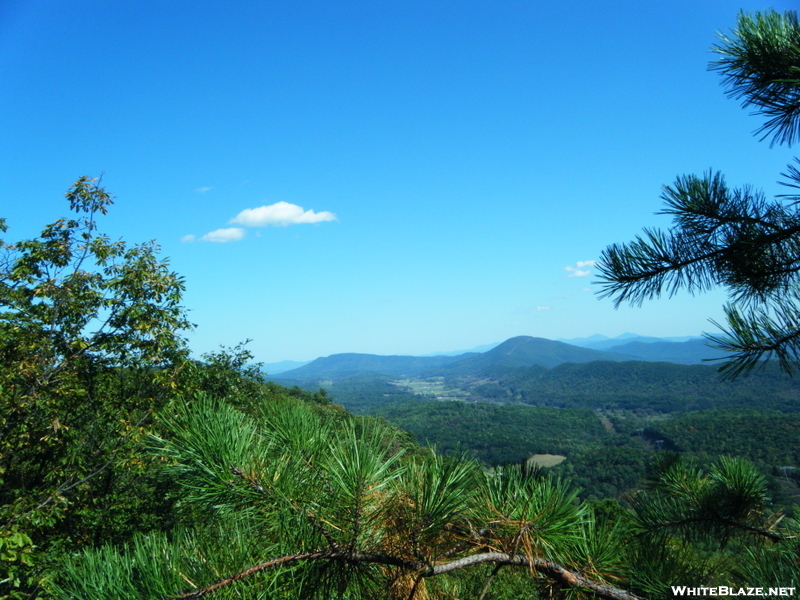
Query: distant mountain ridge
point(691, 352)
point(476, 349)
point(602, 342)
point(338, 366)
point(526, 351)
point(516, 352)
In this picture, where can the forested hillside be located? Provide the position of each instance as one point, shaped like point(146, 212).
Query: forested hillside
point(497, 434)
point(632, 385)
point(608, 419)
point(658, 387)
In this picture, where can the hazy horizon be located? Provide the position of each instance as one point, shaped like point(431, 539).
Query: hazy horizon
point(483, 347)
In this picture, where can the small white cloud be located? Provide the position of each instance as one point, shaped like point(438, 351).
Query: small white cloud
point(203, 190)
point(280, 214)
point(580, 270)
point(529, 310)
point(228, 234)
point(187, 238)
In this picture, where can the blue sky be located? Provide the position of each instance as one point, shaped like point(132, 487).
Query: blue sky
point(386, 177)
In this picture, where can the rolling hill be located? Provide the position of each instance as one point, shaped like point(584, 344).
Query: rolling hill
point(520, 351)
point(524, 351)
point(514, 353)
point(340, 366)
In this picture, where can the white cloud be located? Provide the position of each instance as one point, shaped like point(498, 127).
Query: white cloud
point(280, 214)
point(580, 270)
point(203, 190)
point(187, 238)
point(529, 310)
point(228, 234)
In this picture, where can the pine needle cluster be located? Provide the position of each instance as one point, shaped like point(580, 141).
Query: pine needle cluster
point(733, 237)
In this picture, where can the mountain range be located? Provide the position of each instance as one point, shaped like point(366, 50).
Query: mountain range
point(602, 342)
point(339, 366)
point(516, 352)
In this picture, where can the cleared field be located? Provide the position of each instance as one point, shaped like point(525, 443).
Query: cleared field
point(546, 460)
point(432, 388)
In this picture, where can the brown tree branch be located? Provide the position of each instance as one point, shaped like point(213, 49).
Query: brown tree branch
point(554, 571)
point(547, 568)
point(770, 535)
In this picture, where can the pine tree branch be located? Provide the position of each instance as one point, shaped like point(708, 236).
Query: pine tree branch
point(562, 575)
point(545, 567)
point(640, 270)
point(678, 523)
point(753, 338)
point(382, 559)
point(759, 65)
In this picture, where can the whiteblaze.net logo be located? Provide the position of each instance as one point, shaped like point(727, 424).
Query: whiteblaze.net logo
point(682, 590)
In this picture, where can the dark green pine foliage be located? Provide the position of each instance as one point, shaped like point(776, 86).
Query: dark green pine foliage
point(759, 65)
point(733, 237)
point(708, 526)
point(287, 503)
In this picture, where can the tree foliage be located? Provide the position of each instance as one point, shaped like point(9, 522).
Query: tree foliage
point(704, 526)
point(89, 339)
point(760, 65)
point(733, 237)
point(291, 504)
point(347, 516)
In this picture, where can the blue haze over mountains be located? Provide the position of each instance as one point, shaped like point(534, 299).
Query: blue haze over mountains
point(521, 351)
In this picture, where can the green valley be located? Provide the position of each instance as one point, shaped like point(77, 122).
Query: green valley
point(609, 418)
